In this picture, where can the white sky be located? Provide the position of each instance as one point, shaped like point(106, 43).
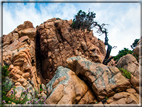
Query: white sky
point(123, 18)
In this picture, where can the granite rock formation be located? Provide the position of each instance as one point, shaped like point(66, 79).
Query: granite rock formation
point(58, 41)
point(19, 54)
point(65, 66)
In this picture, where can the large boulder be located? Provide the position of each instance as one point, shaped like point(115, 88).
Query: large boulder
point(58, 41)
point(130, 63)
point(104, 80)
point(66, 88)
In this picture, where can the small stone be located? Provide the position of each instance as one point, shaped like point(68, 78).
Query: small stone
point(131, 90)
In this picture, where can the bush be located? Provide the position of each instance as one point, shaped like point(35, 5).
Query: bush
point(125, 73)
point(121, 53)
point(5, 71)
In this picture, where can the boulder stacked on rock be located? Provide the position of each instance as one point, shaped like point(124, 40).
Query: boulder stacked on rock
point(58, 41)
point(104, 80)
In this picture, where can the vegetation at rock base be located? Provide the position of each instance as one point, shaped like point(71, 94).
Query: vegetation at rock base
point(23, 99)
point(9, 100)
point(121, 53)
point(125, 73)
point(41, 88)
point(106, 97)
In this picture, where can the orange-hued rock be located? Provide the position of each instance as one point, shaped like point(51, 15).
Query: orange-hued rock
point(31, 32)
point(137, 48)
point(66, 88)
point(129, 97)
point(104, 80)
point(130, 63)
point(58, 41)
point(19, 53)
point(64, 66)
point(112, 63)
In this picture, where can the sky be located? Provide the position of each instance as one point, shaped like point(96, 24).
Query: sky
point(123, 19)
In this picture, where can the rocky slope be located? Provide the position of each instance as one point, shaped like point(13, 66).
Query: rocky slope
point(67, 65)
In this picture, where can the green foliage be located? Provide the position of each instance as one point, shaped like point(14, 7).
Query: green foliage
point(57, 18)
point(134, 44)
point(121, 53)
point(83, 20)
point(106, 97)
point(5, 71)
point(125, 73)
point(41, 88)
point(12, 98)
point(23, 99)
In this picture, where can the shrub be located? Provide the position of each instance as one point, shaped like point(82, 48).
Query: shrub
point(5, 71)
point(121, 53)
point(106, 98)
point(41, 88)
point(125, 73)
point(57, 18)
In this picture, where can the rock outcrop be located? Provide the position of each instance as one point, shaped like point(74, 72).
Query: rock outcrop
point(59, 65)
point(19, 53)
point(58, 41)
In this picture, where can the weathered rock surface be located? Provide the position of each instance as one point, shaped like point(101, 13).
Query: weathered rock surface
point(130, 63)
point(104, 80)
point(137, 49)
point(128, 97)
point(19, 53)
point(66, 88)
point(112, 63)
point(76, 56)
point(58, 41)
point(16, 33)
